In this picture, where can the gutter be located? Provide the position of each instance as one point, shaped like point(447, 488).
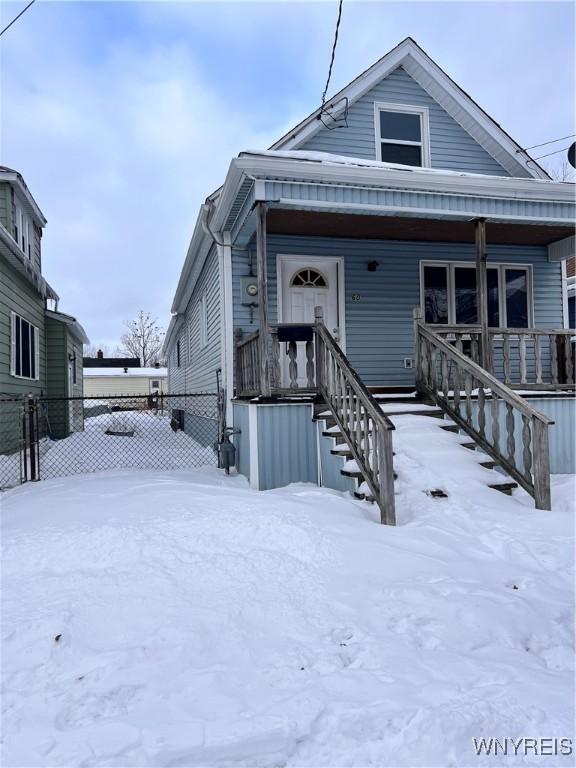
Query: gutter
point(71, 322)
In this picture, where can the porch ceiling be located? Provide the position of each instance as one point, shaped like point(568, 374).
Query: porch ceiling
point(321, 224)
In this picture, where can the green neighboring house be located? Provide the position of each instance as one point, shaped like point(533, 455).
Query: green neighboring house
point(40, 348)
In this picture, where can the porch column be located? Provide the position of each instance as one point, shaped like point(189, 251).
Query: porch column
point(482, 294)
point(262, 272)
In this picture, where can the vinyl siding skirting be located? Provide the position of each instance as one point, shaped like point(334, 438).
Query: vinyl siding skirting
point(451, 147)
point(378, 326)
point(277, 444)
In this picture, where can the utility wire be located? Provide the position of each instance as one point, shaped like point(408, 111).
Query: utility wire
point(7, 27)
point(333, 54)
point(565, 149)
point(545, 143)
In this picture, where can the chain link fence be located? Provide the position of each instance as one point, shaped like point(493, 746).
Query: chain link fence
point(50, 437)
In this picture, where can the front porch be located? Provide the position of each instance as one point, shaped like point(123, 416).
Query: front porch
point(346, 279)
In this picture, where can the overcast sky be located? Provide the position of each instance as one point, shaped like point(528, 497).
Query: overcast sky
point(123, 117)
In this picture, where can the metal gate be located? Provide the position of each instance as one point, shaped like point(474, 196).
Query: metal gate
point(50, 437)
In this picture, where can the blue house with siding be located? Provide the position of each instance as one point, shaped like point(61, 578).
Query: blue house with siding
point(397, 249)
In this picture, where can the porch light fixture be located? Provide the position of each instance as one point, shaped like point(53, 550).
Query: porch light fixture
point(373, 266)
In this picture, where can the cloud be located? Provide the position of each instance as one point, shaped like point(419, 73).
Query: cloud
point(123, 117)
point(119, 155)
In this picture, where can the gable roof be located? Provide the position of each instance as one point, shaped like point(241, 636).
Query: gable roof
point(457, 103)
point(15, 177)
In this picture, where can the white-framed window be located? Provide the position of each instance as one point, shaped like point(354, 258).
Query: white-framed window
point(402, 134)
point(448, 294)
point(178, 354)
point(203, 320)
point(23, 230)
point(24, 348)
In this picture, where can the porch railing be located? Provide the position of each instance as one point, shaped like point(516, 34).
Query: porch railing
point(291, 356)
point(247, 365)
point(366, 429)
point(523, 358)
point(478, 402)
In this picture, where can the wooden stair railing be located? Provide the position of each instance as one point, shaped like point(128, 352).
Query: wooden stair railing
point(453, 381)
point(367, 431)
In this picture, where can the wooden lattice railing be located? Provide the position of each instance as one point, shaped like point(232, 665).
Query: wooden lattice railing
point(524, 358)
point(368, 432)
point(479, 403)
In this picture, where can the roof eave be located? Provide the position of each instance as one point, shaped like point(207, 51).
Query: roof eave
point(267, 166)
point(17, 178)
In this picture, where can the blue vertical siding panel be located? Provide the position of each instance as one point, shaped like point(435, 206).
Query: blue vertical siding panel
point(287, 451)
point(451, 146)
point(242, 440)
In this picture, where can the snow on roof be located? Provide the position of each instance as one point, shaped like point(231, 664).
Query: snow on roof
point(329, 159)
point(129, 372)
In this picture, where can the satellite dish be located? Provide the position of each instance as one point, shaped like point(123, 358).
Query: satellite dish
point(572, 155)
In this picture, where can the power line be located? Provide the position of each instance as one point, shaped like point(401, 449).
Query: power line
point(6, 28)
point(565, 149)
point(545, 143)
point(333, 54)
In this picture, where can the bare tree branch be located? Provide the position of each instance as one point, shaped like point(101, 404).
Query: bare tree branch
point(143, 339)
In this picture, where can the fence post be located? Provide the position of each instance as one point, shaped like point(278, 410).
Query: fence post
point(541, 453)
point(418, 316)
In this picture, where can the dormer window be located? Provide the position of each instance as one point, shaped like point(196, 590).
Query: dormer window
point(22, 230)
point(402, 134)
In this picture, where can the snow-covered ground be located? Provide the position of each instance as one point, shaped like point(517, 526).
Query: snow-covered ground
point(149, 443)
point(181, 619)
point(143, 440)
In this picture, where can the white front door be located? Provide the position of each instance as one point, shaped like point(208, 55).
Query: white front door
point(303, 284)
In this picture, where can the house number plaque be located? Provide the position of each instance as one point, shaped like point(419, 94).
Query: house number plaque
point(356, 297)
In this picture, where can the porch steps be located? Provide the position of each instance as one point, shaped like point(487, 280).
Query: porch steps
point(400, 408)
